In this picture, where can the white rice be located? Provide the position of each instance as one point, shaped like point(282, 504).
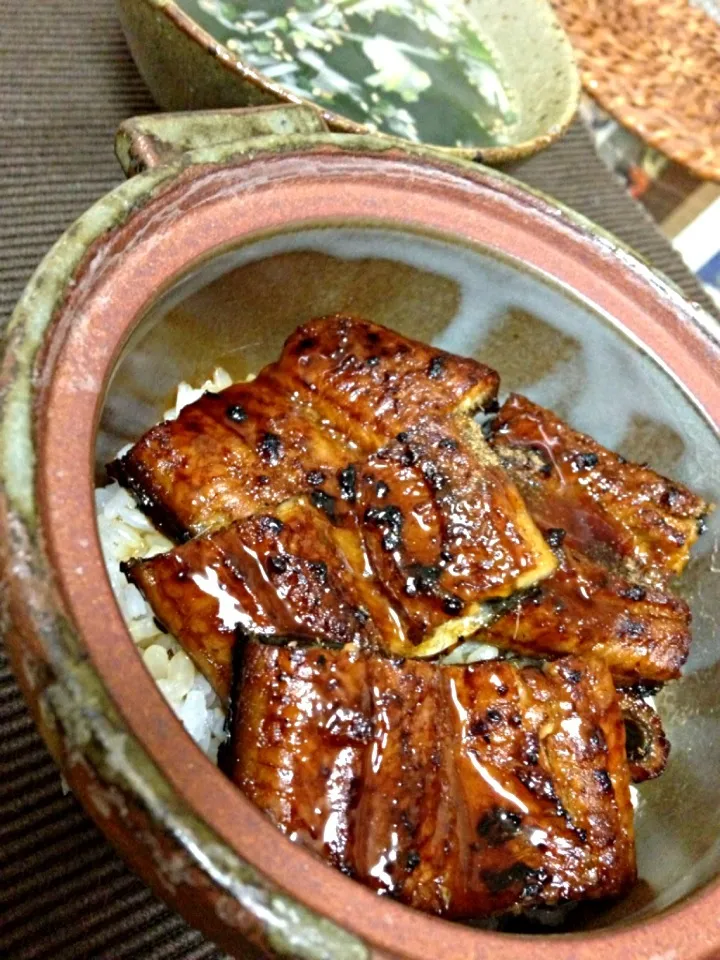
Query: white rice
point(126, 533)
point(470, 651)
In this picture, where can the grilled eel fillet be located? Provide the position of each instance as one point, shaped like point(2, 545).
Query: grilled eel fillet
point(280, 577)
point(641, 633)
point(620, 531)
point(341, 388)
point(444, 530)
point(460, 791)
point(619, 513)
point(430, 513)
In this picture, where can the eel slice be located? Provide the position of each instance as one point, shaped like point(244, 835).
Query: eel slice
point(618, 512)
point(461, 791)
point(276, 576)
point(302, 723)
point(230, 455)
point(341, 385)
point(446, 529)
point(641, 632)
point(370, 383)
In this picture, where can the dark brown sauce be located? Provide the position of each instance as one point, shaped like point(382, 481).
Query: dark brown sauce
point(585, 608)
point(417, 781)
point(345, 506)
point(612, 510)
point(441, 526)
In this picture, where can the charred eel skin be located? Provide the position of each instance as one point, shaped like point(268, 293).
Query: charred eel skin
point(461, 791)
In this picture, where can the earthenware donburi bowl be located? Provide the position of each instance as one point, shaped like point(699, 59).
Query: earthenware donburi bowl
point(213, 258)
point(187, 68)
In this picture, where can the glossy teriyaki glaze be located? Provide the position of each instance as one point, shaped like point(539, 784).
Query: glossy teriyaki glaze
point(641, 632)
point(428, 519)
point(278, 576)
point(341, 386)
point(347, 513)
point(445, 530)
point(370, 383)
point(460, 791)
point(619, 512)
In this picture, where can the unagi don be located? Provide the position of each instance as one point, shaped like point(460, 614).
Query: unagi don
point(342, 516)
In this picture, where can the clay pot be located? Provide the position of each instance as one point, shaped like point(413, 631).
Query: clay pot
point(213, 257)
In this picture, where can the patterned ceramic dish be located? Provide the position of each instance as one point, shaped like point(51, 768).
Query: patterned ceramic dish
point(655, 66)
point(181, 51)
point(213, 257)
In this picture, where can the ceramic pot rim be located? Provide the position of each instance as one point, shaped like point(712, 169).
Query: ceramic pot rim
point(198, 209)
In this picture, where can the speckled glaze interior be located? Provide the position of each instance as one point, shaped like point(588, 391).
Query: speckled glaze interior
point(236, 309)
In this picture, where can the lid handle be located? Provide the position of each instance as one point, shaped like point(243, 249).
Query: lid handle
point(145, 142)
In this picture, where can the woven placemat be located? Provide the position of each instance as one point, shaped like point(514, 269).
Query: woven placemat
point(66, 81)
point(655, 66)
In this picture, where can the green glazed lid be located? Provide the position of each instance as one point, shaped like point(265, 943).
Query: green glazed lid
point(180, 52)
